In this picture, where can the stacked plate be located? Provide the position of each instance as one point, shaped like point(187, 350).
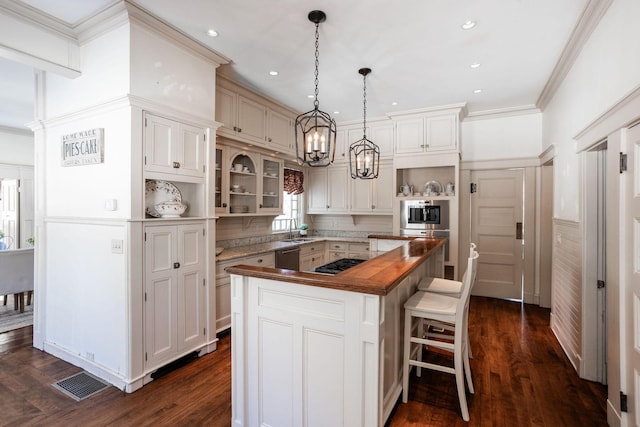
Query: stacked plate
point(239, 209)
point(159, 193)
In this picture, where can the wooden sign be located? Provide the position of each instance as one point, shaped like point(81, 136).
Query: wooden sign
point(83, 148)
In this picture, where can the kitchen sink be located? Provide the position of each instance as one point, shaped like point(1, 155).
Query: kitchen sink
point(299, 239)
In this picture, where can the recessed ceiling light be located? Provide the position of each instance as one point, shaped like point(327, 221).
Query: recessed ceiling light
point(273, 73)
point(394, 103)
point(310, 96)
point(336, 112)
point(212, 33)
point(475, 65)
point(477, 91)
point(469, 25)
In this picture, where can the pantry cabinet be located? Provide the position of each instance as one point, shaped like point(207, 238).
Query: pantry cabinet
point(174, 291)
point(173, 148)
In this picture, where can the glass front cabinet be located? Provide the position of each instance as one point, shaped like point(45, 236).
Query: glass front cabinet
point(247, 183)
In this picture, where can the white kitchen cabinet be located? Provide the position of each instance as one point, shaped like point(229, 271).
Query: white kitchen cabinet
point(328, 192)
point(173, 148)
point(337, 250)
point(373, 196)
point(174, 292)
point(221, 195)
point(312, 255)
point(382, 134)
point(429, 133)
point(280, 132)
point(241, 118)
point(342, 146)
point(223, 285)
point(251, 184)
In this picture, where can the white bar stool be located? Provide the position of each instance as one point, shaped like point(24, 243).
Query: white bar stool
point(425, 306)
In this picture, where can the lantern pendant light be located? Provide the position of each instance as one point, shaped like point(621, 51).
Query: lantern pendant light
point(315, 130)
point(364, 155)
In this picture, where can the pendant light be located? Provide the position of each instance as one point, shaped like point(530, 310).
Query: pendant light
point(364, 155)
point(315, 129)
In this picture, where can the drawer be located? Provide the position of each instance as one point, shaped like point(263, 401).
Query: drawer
point(267, 259)
point(334, 255)
point(311, 248)
point(359, 248)
point(310, 261)
point(337, 246)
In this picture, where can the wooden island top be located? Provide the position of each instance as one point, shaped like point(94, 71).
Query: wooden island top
point(377, 276)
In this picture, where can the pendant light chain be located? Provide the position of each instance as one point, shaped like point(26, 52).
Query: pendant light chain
point(364, 107)
point(316, 103)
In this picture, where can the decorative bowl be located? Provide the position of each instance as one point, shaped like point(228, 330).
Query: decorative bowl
point(171, 209)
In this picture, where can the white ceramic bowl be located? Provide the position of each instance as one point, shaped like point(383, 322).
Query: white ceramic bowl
point(171, 209)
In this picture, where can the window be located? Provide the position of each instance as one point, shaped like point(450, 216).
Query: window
point(291, 209)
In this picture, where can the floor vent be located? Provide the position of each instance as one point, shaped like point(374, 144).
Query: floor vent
point(80, 386)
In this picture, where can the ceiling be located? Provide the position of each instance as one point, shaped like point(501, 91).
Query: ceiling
point(419, 54)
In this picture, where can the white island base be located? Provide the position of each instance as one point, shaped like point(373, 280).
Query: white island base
point(312, 356)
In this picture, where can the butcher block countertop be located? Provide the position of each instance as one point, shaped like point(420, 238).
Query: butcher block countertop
point(376, 276)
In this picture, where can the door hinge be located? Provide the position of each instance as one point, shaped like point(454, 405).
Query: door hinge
point(623, 162)
point(601, 284)
point(623, 402)
point(473, 187)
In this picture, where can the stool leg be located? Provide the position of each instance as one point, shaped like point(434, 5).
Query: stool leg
point(29, 295)
point(459, 368)
point(420, 333)
point(406, 356)
point(467, 369)
point(5, 300)
point(15, 302)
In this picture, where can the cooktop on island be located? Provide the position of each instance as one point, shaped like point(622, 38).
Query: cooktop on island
point(339, 265)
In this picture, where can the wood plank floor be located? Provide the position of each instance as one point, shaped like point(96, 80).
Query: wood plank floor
point(521, 376)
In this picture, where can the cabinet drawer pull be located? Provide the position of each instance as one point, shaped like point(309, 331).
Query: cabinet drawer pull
point(176, 265)
point(224, 205)
point(260, 261)
point(176, 165)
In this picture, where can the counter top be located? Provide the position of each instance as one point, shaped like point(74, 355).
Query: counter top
point(247, 250)
point(376, 276)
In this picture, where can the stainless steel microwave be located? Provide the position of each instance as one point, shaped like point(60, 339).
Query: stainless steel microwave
point(424, 215)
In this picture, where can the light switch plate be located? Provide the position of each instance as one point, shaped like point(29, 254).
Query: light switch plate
point(117, 246)
point(110, 205)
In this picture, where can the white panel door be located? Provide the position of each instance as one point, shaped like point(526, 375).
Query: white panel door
point(410, 136)
point(252, 120)
point(280, 133)
point(226, 111)
point(161, 136)
point(361, 195)
point(630, 281)
point(191, 286)
point(337, 192)
point(382, 136)
point(317, 190)
point(160, 295)
point(441, 133)
point(9, 212)
point(383, 190)
point(496, 209)
point(191, 153)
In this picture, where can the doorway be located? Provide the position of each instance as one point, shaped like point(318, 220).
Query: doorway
point(9, 214)
point(594, 329)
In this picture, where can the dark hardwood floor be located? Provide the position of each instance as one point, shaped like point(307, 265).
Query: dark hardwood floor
point(521, 376)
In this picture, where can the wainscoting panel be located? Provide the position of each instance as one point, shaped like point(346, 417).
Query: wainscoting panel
point(566, 288)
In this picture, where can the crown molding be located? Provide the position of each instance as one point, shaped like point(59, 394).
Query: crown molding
point(460, 107)
point(502, 112)
point(15, 131)
point(589, 20)
point(38, 18)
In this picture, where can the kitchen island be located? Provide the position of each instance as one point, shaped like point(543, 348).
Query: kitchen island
point(314, 349)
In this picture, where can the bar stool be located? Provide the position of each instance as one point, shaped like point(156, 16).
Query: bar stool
point(446, 287)
point(426, 306)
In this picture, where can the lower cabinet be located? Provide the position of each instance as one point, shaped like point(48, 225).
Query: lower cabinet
point(223, 285)
point(174, 292)
point(338, 250)
point(312, 255)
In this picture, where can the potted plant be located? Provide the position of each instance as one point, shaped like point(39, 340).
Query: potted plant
point(303, 229)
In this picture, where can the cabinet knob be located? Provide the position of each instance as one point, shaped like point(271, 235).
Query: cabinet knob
point(176, 165)
point(176, 265)
point(260, 205)
point(260, 261)
point(373, 206)
point(239, 129)
point(327, 206)
point(270, 140)
point(235, 128)
point(224, 205)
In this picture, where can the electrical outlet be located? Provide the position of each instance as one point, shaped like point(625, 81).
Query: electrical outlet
point(117, 246)
point(90, 356)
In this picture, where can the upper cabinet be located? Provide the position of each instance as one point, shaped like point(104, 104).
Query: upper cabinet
point(250, 118)
point(381, 132)
point(173, 148)
point(430, 131)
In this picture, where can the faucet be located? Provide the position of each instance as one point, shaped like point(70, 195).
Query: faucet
point(291, 222)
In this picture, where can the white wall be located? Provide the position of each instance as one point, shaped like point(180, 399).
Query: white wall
point(607, 69)
point(494, 138)
point(16, 147)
